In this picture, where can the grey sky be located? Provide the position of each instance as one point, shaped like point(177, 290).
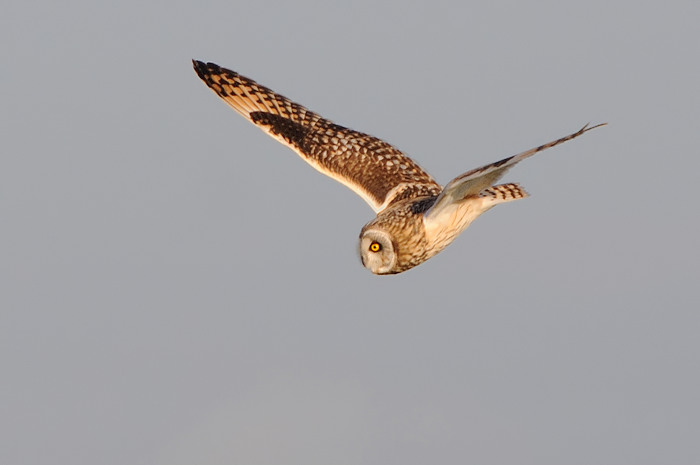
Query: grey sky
point(178, 288)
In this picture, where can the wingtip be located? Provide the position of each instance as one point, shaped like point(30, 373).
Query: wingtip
point(588, 126)
point(200, 68)
point(203, 69)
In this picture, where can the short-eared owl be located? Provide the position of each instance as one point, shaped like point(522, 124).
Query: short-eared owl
point(416, 217)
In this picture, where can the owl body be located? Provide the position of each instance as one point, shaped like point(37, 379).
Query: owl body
point(412, 237)
point(416, 217)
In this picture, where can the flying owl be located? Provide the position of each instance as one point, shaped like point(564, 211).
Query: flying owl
point(416, 216)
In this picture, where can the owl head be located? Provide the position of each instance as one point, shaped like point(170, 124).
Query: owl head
point(378, 251)
point(395, 240)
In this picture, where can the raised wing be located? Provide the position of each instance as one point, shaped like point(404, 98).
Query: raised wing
point(375, 170)
point(473, 182)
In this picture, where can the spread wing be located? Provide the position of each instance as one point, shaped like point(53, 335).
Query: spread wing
point(375, 170)
point(473, 182)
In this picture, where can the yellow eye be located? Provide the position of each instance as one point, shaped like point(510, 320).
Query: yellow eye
point(375, 247)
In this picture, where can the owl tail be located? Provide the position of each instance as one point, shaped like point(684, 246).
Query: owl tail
point(502, 193)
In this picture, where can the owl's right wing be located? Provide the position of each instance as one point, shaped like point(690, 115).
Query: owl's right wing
point(375, 170)
point(474, 181)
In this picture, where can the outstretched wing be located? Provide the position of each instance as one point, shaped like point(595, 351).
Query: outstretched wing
point(375, 170)
point(473, 182)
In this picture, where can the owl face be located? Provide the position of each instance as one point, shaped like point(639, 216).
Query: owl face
point(377, 251)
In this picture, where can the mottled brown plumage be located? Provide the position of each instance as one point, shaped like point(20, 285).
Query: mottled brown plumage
point(416, 217)
point(374, 169)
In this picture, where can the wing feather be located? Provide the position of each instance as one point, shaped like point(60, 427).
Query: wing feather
point(474, 181)
point(377, 171)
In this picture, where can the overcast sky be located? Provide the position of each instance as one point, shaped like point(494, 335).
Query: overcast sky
point(177, 288)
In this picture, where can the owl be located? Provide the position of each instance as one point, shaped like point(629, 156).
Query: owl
point(416, 216)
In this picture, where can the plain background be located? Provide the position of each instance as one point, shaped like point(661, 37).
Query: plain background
point(178, 288)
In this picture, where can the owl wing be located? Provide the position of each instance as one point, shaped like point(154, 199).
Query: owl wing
point(375, 170)
point(473, 182)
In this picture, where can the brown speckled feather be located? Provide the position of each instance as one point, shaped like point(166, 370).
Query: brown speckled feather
point(375, 170)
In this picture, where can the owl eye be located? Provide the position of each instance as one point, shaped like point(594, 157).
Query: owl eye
point(375, 247)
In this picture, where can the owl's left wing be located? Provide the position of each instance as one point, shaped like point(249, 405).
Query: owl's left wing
point(474, 181)
point(372, 168)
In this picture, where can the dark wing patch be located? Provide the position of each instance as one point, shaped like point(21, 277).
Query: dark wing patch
point(377, 171)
